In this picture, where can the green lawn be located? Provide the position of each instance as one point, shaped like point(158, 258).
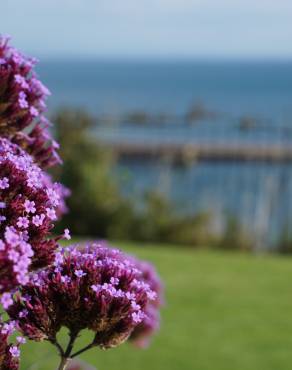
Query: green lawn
point(224, 312)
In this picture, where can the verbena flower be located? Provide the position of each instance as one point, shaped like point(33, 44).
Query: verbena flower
point(96, 288)
point(9, 352)
point(79, 365)
point(63, 193)
point(143, 332)
point(22, 106)
point(27, 208)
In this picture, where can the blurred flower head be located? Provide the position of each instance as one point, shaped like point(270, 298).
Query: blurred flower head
point(63, 193)
point(79, 365)
point(143, 332)
point(22, 105)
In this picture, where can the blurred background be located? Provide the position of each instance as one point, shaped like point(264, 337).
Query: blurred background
point(175, 124)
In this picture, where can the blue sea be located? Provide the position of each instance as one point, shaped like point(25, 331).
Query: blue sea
point(261, 89)
point(258, 194)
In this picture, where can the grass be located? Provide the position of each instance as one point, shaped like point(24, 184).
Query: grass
point(225, 311)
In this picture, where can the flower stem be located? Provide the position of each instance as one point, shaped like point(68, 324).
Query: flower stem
point(64, 362)
point(70, 345)
point(58, 346)
point(82, 350)
point(65, 354)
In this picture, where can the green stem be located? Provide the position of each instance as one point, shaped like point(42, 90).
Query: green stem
point(91, 345)
point(69, 348)
point(58, 346)
point(64, 362)
point(65, 355)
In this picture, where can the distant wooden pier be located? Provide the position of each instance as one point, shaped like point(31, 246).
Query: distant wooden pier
point(203, 151)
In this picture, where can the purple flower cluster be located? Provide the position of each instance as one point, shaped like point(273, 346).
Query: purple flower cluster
point(95, 288)
point(22, 104)
point(63, 193)
point(79, 365)
point(28, 208)
point(9, 353)
point(150, 324)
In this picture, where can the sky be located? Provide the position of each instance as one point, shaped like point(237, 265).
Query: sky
point(173, 29)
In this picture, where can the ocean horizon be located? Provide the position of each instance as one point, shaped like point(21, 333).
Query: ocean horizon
point(262, 89)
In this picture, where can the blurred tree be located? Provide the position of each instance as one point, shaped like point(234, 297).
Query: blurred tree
point(87, 171)
point(234, 237)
